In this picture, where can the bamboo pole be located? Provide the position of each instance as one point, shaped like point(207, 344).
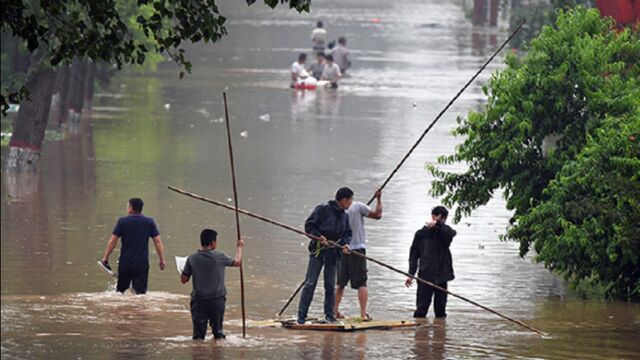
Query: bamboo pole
point(235, 202)
point(415, 145)
point(317, 238)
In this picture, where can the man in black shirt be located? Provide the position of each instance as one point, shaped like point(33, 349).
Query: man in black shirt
point(135, 231)
point(431, 248)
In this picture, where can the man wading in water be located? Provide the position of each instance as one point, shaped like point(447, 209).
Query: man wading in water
point(135, 231)
point(327, 221)
point(431, 246)
point(208, 297)
point(354, 268)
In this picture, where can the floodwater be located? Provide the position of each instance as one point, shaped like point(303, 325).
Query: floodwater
point(148, 131)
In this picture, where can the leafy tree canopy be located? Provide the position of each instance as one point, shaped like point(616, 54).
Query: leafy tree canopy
point(547, 113)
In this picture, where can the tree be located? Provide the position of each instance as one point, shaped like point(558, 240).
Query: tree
point(541, 112)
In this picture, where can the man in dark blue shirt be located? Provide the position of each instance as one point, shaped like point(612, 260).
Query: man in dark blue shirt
point(135, 231)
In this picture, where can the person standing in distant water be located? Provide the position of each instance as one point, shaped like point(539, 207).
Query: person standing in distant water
point(353, 268)
point(135, 231)
point(331, 72)
point(297, 69)
point(209, 295)
point(317, 68)
point(341, 54)
point(431, 249)
point(319, 37)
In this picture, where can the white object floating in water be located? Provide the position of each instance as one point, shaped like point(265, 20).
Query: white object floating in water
point(229, 199)
point(167, 106)
point(265, 117)
point(191, 126)
point(204, 112)
point(180, 262)
point(244, 134)
point(13, 108)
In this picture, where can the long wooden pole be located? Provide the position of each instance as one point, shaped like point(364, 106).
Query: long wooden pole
point(317, 238)
point(415, 145)
point(293, 295)
point(235, 202)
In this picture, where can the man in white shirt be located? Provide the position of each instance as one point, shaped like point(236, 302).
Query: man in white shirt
point(331, 72)
point(297, 69)
point(319, 37)
point(353, 268)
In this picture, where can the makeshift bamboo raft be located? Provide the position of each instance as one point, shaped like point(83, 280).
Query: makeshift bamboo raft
point(345, 325)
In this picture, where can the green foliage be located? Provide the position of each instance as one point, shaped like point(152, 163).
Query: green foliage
point(102, 30)
point(545, 115)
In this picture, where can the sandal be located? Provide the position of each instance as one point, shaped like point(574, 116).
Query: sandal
point(367, 317)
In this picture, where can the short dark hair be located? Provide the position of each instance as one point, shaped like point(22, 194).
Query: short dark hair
point(329, 57)
point(321, 53)
point(302, 56)
point(208, 236)
point(319, 24)
point(342, 40)
point(136, 204)
point(344, 192)
point(440, 210)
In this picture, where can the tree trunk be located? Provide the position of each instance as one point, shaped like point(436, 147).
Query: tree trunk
point(479, 12)
point(59, 98)
point(88, 85)
point(76, 97)
point(31, 122)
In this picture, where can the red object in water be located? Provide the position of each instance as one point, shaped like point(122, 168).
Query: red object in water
point(625, 12)
point(375, 20)
point(303, 86)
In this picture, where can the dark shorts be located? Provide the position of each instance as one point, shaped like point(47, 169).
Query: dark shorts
point(136, 276)
point(352, 268)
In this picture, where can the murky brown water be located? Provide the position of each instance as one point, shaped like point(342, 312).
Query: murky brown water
point(57, 304)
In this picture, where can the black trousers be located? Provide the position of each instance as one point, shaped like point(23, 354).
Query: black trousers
point(423, 300)
point(136, 276)
point(207, 312)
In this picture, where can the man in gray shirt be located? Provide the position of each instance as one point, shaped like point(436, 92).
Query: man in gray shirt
point(353, 268)
point(340, 54)
point(208, 297)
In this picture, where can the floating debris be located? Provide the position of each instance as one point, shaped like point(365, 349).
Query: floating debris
point(244, 134)
point(265, 117)
point(167, 106)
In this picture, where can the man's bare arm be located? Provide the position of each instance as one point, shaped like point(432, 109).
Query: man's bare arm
point(184, 278)
point(111, 245)
point(238, 259)
point(157, 242)
point(377, 212)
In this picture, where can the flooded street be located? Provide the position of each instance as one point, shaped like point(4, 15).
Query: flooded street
point(292, 150)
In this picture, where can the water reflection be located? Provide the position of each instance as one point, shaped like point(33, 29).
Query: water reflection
point(430, 340)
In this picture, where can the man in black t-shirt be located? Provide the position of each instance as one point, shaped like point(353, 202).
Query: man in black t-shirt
point(135, 231)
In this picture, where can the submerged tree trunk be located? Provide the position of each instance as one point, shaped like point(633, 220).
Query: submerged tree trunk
point(31, 121)
point(76, 88)
point(88, 85)
point(59, 99)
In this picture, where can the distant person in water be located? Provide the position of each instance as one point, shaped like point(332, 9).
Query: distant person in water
point(208, 297)
point(352, 268)
point(297, 69)
point(317, 68)
point(327, 221)
point(431, 255)
point(135, 231)
point(331, 72)
point(341, 54)
point(319, 37)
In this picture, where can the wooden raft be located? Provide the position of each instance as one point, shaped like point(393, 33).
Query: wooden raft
point(352, 325)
